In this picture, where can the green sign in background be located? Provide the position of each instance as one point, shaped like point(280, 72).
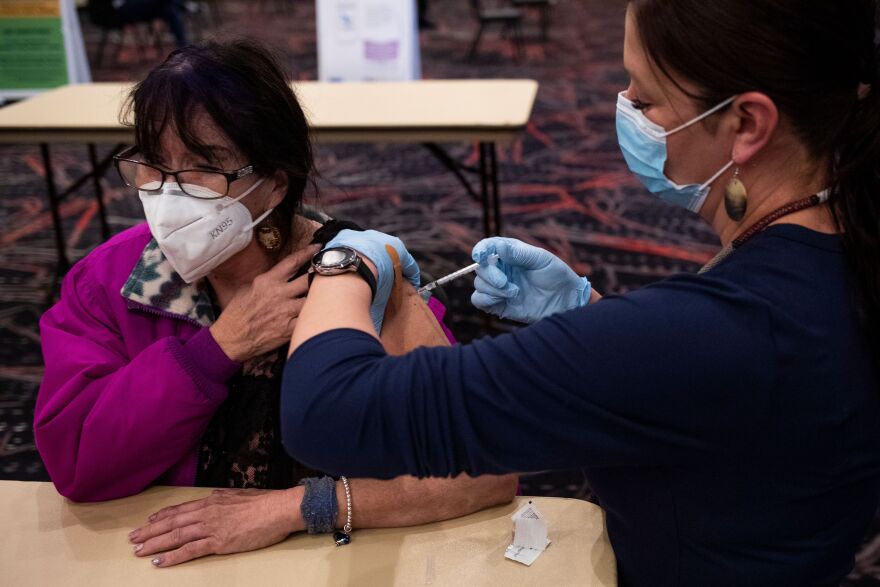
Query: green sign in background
point(32, 53)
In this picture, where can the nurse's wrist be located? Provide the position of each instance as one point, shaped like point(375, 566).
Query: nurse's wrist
point(584, 292)
point(351, 284)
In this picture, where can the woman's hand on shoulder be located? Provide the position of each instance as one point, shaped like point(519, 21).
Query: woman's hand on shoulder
point(261, 317)
point(226, 522)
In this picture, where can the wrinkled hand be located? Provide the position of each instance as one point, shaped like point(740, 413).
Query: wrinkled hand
point(371, 244)
point(262, 317)
point(527, 283)
point(228, 521)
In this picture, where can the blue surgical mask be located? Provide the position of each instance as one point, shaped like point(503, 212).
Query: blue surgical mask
point(644, 147)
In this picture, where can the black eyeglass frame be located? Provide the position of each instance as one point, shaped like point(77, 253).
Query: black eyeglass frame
point(230, 176)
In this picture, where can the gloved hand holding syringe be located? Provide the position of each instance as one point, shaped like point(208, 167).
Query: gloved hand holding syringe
point(453, 276)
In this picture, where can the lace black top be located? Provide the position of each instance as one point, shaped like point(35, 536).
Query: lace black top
point(242, 445)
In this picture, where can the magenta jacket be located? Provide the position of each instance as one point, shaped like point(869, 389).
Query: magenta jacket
point(133, 375)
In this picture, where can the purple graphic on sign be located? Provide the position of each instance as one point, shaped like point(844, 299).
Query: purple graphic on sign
point(381, 51)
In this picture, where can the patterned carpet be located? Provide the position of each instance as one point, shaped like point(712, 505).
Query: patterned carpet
point(564, 185)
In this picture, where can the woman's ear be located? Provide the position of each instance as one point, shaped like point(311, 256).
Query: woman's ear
point(757, 119)
point(279, 183)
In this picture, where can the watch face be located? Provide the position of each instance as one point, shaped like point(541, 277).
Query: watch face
point(333, 257)
point(335, 261)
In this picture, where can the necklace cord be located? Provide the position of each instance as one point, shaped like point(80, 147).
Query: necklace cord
point(780, 212)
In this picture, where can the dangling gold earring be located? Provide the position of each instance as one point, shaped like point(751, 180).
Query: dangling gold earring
point(269, 237)
point(736, 198)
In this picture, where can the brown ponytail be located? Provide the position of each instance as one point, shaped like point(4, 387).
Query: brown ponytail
point(856, 198)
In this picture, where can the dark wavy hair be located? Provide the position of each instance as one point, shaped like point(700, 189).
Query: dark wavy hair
point(242, 87)
point(815, 59)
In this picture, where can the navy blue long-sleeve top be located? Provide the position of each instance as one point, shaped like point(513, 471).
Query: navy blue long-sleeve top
point(729, 422)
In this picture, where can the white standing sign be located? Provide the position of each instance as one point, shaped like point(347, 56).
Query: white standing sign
point(368, 40)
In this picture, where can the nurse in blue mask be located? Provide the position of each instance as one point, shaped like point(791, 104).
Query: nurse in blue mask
point(729, 420)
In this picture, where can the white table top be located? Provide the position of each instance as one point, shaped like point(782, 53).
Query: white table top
point(432, 111)
point(47, 540)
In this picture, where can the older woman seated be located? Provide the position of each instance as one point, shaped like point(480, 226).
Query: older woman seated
point(163, 356)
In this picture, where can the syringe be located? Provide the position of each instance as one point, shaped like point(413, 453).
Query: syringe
point(454, 275)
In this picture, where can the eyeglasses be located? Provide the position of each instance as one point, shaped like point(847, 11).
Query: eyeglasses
point(198, 183)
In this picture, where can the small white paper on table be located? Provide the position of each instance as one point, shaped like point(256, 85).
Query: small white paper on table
point(529, 535)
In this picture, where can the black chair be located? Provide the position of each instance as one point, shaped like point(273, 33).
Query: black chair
point(508, 17)
point(103, 15)
point(201, 16)
point(543, 7)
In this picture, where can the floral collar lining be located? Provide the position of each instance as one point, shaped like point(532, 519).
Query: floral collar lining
point(155, 284)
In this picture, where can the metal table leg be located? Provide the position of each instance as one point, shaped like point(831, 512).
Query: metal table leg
point(484, 191)
point(54, 207)
point(545, 18)
point(489, 189)
point(55, 199)
point(487, 171)
point(495, 197)
point(99, 192)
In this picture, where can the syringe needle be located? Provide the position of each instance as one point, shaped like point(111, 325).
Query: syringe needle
point(452, 276)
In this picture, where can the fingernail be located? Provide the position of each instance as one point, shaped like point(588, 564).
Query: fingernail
point(152, 518)
point(133, 535)
point(138, 547)
point(157, 561)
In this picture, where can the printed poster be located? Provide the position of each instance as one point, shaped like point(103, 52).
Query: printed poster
point(41, 47)
point(368, 40)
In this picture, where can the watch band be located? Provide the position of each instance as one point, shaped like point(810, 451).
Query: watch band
point(360, 268)
point(367, 275)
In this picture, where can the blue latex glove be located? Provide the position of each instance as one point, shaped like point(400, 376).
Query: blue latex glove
point(371, 244)
point(526, 283)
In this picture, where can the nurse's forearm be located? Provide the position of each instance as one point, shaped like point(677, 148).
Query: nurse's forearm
point(408, 501)
point(340, 301)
